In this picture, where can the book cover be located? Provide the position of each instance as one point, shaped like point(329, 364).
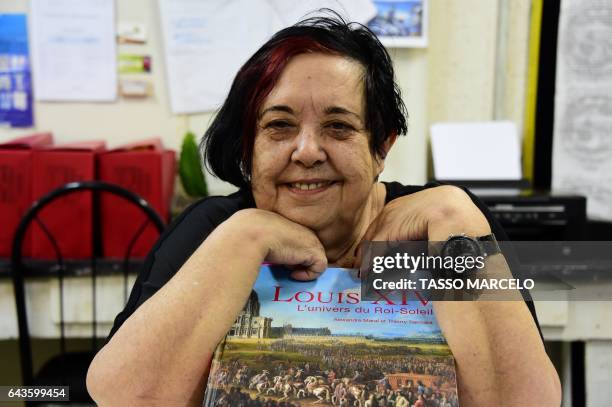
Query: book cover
point(315, 343)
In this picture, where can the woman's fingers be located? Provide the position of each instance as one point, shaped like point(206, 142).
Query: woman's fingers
point(294, 246)
point(400, 220)
point(310, 269)
point(304, 275)
point(307, 272)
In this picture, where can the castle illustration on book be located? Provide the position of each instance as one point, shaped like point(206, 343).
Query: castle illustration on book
point(316, 343)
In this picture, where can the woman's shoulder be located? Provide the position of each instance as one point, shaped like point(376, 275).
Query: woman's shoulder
point(190, 228)
point(178, 242)
point(214, 209)
point(396, 190)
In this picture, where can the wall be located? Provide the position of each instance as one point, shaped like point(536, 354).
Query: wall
point(462, 75)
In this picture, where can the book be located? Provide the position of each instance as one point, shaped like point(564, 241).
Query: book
point(316, 343)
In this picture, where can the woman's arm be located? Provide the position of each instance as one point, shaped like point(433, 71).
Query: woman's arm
point(161, 354)
point(499, 355)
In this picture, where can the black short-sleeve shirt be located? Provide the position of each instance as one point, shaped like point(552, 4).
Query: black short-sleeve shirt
point(194, 225)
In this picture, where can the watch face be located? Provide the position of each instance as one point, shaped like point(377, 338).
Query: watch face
point(458, 246)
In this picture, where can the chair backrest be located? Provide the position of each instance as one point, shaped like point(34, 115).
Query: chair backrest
point(18, 268)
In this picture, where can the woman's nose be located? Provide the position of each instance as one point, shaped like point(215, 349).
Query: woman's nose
point(309, 150)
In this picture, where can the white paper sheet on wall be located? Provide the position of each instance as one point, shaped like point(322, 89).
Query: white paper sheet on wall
point(292, 11)
point(582, 144)
point(206, 42)
point(73, 49)
point(476, 151)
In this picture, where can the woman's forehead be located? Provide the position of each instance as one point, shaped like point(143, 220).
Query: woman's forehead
point(321, 82)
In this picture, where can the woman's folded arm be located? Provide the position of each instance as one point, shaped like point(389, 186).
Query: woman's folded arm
point(162, 352)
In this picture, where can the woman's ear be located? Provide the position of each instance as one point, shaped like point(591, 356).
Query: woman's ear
point(387, 144)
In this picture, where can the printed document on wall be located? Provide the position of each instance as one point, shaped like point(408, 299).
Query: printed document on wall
point(582, 147)
point(15, 78)
point(205, 43)
point(73, 50)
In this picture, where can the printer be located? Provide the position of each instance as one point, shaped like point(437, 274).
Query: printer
point(485, 157)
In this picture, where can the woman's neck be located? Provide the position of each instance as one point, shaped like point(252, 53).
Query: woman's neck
point(340, 247)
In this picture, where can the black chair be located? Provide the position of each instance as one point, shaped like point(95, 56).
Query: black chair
point(68, 368)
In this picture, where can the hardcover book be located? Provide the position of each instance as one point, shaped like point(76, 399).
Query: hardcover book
point(316, 343)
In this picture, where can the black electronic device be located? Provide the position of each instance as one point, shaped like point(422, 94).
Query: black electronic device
point(556, 235)
point(528, 215)
point(539, 216)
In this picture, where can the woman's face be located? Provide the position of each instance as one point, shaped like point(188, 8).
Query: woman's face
point(311, 158)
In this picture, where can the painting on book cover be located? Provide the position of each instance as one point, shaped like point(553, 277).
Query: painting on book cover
point(315, 343)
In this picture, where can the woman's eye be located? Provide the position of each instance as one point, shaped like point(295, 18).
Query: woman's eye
point(279, 130)
point(279, 125)
point(340, 127)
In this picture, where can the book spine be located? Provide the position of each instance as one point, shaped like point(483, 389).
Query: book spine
point(210, 393)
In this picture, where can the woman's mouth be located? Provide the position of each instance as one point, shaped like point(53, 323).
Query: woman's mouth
point(309, 187)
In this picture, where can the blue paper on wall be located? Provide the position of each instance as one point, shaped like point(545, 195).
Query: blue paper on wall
point(15, 73)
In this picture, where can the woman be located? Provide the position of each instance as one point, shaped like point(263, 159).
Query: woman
point(304, 133)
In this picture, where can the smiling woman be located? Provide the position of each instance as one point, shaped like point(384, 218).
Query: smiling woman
point(311, 160)
point(304, 133)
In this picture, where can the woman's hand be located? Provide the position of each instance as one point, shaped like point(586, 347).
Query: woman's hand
point(432, 214)
point(284, 242)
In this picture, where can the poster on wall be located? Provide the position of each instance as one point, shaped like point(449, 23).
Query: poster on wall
point(74, 50)
point(15, 78)
point(400, 23)
point(582, 140)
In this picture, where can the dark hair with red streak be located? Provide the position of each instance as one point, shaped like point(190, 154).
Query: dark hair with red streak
point(227, 145)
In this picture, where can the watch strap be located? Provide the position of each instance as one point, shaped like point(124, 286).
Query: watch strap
point(489, 244)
